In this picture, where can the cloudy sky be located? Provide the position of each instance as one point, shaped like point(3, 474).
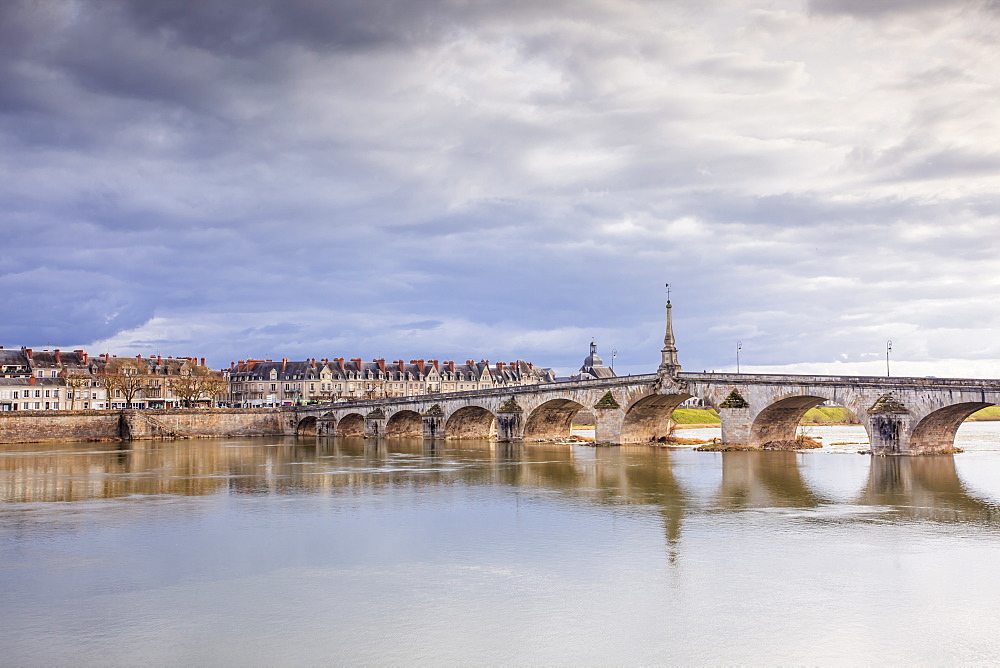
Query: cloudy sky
point(505, 179)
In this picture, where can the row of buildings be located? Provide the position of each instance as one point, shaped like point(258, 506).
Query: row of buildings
point(70, 380)
point(268, 382)
point(75, 380)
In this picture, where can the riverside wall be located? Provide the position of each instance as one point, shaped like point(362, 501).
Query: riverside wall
point(55, 426)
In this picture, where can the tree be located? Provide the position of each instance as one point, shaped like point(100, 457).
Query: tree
point(198, 382)
point(122, 379)
point(186, 388)
point(213, 387)
point(75, 382)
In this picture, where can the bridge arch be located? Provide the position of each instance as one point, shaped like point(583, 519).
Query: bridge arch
point(307, 426)
point(648, 418)
point(352, 424)
point(551, 420)
point(778, 422)
point(404, 423)
point(935, 432)
point(471, 422)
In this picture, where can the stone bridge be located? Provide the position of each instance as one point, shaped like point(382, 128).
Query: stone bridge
point(901, 415)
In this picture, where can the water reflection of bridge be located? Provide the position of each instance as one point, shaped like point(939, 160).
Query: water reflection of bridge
point(642, 476)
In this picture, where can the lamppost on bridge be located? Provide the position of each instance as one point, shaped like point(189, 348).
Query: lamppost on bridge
point(739, 347)
point(888, 349)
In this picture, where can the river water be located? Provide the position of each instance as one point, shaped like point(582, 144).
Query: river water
point(281, 552)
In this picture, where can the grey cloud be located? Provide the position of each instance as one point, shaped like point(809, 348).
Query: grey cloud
point(296, 178)
point(876, 8)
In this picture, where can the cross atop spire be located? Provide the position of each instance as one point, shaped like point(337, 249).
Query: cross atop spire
point(669, 365)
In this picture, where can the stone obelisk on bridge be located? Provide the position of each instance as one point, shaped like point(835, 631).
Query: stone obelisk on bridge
point(669, 365)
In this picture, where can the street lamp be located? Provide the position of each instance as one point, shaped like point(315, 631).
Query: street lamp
point(614, 354)
point(739, 347)
point(888, 349)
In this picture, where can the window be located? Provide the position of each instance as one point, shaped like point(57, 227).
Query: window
point(38, 393)
point(52, 374)
point(41, 374)
point(47, 393)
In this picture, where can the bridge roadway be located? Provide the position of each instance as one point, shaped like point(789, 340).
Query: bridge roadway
point(901, 415)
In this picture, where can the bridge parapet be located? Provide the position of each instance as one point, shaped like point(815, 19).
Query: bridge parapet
point(852, 381)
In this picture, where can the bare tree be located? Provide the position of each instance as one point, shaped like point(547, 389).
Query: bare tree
point(199, 382)
point(186, 388)
point(75, 382)
point(122, 379)
point(213, 387)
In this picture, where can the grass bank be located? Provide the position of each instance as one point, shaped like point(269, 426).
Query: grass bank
point(991, 414)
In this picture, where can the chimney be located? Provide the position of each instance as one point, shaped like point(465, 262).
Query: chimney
point(138, 358)
point(159, 360)
point(499, 366)
point(381, 364)
point(203, 361)
point(29, 352)
point(107, 357)
point(450, 365)
point(435, 363)
point(284, 363)
point(402, 367)
point(85, 357)
point(232, 366)
point(58, 357)
point(420, 365)
point(31, 380)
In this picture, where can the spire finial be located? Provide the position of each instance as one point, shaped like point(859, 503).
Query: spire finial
point(669, 364)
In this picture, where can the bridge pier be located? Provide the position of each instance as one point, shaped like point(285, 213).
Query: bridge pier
point(510, 422)
point(326, 427)
point(431, 427)
point(375, 423)
point(889, 430)
point(608, 428)
point(736, 423)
